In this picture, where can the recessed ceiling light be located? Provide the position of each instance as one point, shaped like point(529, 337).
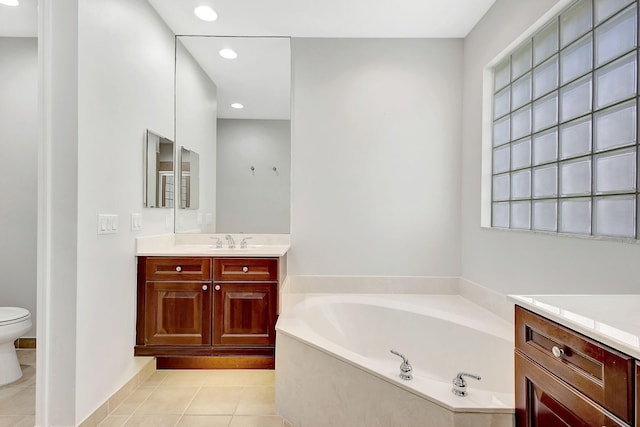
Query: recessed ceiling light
point(237, 106)
point(10, 2)
point(228, 54)
point(205, 13)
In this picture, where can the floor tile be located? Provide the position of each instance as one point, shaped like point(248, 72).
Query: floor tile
point(133, 401)
point(204, 421)
point(240, 377)
point(256, 421)
point(188, 378)
point(155, 379)
point(215, 401)
point(114, 421)
point(17, 400)
point(257, 401)
point(169, 400)
point(153, 421)
point(17, 421)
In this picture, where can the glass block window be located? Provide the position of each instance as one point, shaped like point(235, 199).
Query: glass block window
point(565, 125)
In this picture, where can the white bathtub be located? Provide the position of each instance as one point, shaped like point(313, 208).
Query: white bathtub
point(334, 366)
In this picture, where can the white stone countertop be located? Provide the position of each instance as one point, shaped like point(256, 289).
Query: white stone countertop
point(184, 245)
point(613, 320)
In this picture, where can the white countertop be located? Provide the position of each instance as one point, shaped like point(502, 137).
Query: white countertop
point(613, 320)
point(261, 245)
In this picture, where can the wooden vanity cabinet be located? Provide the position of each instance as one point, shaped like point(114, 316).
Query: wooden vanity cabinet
point(566, 379)
point(637, 393)
point(245, 301)
point(200, 312)
point(175, 298)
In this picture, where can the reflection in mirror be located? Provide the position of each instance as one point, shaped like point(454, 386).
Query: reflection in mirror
point(159, 178)
point(189, 179)
point(244, 152)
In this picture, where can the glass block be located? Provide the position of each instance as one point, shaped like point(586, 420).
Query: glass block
point(615, 127)
point(521, 184)
point(545, 77)
point(615, 216)
point(545, 147)
point(521, 61)
point(500, 215)
point(576, 60)
point(545, 181)
point(616, 81)
point(545, 215)
point(521, 123)
point(502, 103)
point(545, 43)
point(575, 216)
point(575, 99)
point(521, 91)
point(545, 112)
point(575, 138)
point(616, 36)
point(502, 75)
point(575, 22)
point(575, 177)
point(501, 131)
point(501, 184)
point(521, 215)
point(521, 154)
point(501, 159)
point(606, 8)
point(615, 172)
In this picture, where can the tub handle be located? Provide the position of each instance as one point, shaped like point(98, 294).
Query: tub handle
point(405, 367)
point(460, 385)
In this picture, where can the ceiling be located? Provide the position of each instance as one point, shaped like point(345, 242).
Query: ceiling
point(259, 78)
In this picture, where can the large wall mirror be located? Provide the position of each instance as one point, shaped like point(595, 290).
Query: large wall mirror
point(233, 109)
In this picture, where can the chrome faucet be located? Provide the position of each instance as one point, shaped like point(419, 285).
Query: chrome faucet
point(218, 242)
point(405, 367)
point(460, 385)
point(232, 243)
point(243, 243)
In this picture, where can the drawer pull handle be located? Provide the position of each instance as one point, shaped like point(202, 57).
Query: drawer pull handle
point(205, 287)
point(557, 352)
point(217, 288)
point(178, 269)
point(245, 269)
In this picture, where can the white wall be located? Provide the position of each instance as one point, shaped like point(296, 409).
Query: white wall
point(376, 157)
point(125, 85)
point(18, 172)
point(258, 202)
point(516, 262)
point(196, 127)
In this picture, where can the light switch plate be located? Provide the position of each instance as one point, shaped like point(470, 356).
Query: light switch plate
point(136, 221)
point(107, 224)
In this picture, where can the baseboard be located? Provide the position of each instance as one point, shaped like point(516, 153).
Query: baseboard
point(215, 362)
point(120, 395)
point(25, 343)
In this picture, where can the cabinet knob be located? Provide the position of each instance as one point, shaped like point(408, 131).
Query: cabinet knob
point(205, 287)
point(245, 269)
point(178, 269)
point(217, 288)
point(557, 352)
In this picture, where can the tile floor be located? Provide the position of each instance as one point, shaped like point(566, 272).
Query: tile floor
point(174, 398)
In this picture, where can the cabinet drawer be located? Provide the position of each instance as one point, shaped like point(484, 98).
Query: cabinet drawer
point(178, 269)
point(245, 269)
point(543, 400)
point(601, 373)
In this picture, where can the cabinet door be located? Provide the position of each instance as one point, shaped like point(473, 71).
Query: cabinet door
point(245, 314)
point(542, 400)
point(177, 313)
point(638, 393)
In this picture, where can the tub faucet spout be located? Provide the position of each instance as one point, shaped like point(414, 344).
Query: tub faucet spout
point(405, 367)
point(460, 385)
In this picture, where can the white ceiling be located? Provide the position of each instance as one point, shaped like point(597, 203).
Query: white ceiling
point(19, 21)
point(259, 78)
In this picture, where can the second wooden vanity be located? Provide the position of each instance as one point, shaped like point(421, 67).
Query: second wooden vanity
point(207, 312)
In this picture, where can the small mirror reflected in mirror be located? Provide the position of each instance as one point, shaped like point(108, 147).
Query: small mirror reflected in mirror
point(159, 189)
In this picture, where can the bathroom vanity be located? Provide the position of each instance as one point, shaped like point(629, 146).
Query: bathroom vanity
point(576, 361)
point(198, 307)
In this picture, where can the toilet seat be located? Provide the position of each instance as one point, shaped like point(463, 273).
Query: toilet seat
point(11, 315)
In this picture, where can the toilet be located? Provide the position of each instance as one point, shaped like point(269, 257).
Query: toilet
point(14, 322)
